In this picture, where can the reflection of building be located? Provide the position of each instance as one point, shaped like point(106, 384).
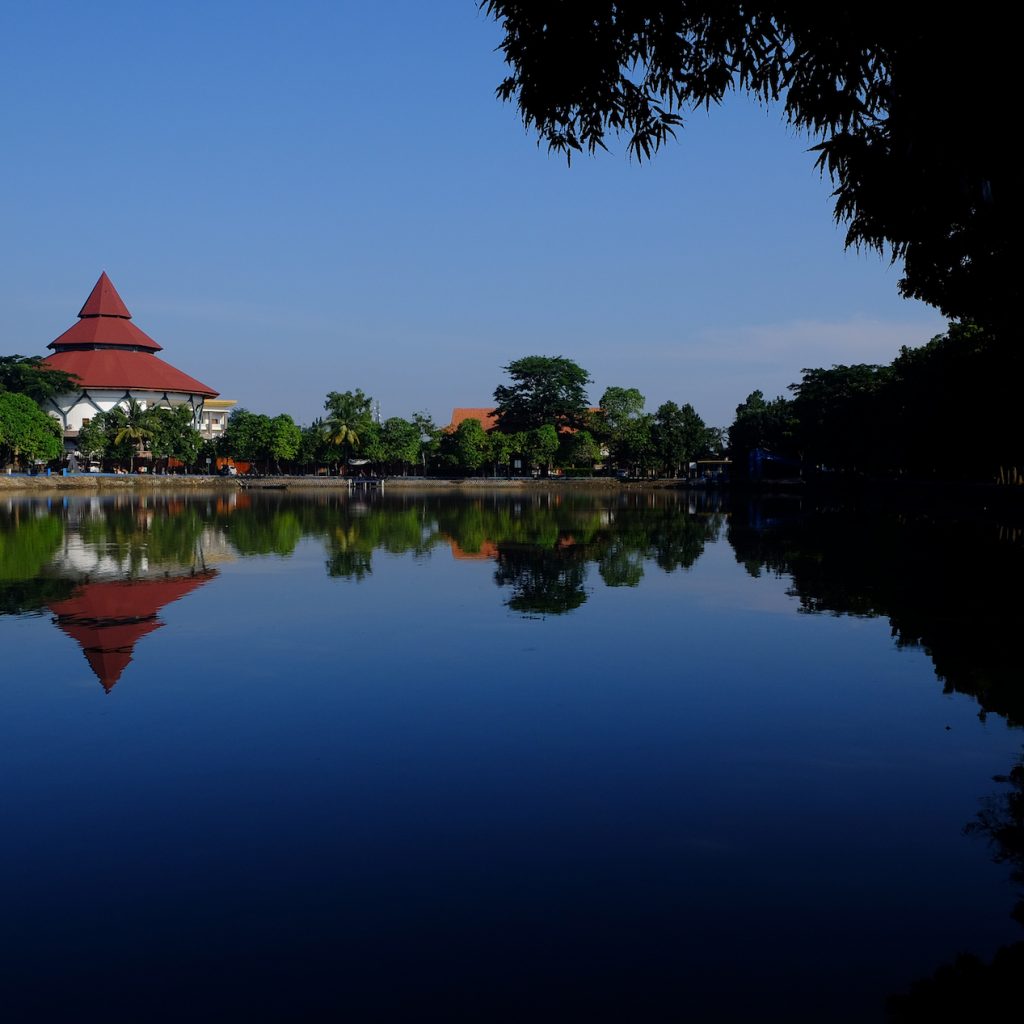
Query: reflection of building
point(108, 618)
point(114, 361)
point(487, 551)
point(213, 420)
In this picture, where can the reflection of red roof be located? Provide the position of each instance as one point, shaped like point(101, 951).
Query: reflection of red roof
point(121, 368)
point(108, 618)
point(488, 550)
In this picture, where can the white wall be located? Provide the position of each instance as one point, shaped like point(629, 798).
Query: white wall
point(70, 410)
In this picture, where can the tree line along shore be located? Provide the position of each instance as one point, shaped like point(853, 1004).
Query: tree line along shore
point(942, 411)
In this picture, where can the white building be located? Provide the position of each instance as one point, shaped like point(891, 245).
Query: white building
point(214, 419)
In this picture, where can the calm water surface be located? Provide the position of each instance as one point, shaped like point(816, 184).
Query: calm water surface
point(512, 758)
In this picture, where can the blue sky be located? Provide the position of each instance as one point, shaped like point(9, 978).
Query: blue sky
point(313, 196)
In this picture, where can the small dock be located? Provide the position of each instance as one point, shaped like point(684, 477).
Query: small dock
point(353, 484)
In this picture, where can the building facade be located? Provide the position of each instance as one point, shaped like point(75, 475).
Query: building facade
point(213, 421)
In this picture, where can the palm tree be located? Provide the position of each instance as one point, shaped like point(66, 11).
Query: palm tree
point(134, 429)
point(348, 416)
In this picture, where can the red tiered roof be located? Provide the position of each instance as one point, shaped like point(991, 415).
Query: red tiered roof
point(108, 618)
point(104, 301)
point(106, 350)
point(111, 369)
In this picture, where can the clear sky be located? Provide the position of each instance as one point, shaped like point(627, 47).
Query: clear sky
point(320, 195)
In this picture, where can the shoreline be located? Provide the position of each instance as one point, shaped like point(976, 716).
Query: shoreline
point(117, 484)
point(950, 496)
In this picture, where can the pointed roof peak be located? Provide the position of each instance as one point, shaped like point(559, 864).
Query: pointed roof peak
point(104, 301)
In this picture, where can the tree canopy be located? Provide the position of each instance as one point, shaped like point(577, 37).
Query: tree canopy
point(544, 390)
point(904, 109)
point(349, 419)
point(947, 409)
point(27, 375)
point(26, 431)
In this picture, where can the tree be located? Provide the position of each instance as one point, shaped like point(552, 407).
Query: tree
point(469, 445)
point(502, 448)
point(578, 448)
point(174, 434)
point(839, 416)
point(900, 107)
point(96, 438)
point(248, 436)
point(619, 405)
point(621, 425)
point(430, 438)
point(349, 416)
point(312, 448)
point(761, 424)
point(285, 439)
point(544, 390)
point(542, 446)
point(28, 375)
point(679, 436)
point(133, 429)
point(400, 442)
point(26, 431)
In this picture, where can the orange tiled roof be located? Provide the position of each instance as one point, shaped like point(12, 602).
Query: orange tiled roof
point(485, 415)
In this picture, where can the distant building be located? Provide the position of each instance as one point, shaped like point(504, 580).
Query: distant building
point(213, 420)
point(115, 362)
point(486, 416)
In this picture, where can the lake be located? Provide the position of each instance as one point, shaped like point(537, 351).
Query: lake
point(512, 756)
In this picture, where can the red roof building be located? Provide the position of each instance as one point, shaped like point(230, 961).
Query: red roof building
point(486, 416)
point(114, 361)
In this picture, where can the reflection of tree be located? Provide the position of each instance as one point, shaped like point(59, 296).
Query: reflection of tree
point(621, 565)
point(562, 532)
point(349, 552)
point(265, 529)
point(966, 990)
point(1001, 822)
point(950, 586)
point(21, 597)
point(141, 534)
point(678, 540)
point(353, 533)
point(544, 582)
point(27, 543)
point(349, 564)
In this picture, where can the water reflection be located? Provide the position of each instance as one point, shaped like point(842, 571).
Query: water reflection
point(107, 619)
point(947, 585)
point(105, 570)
